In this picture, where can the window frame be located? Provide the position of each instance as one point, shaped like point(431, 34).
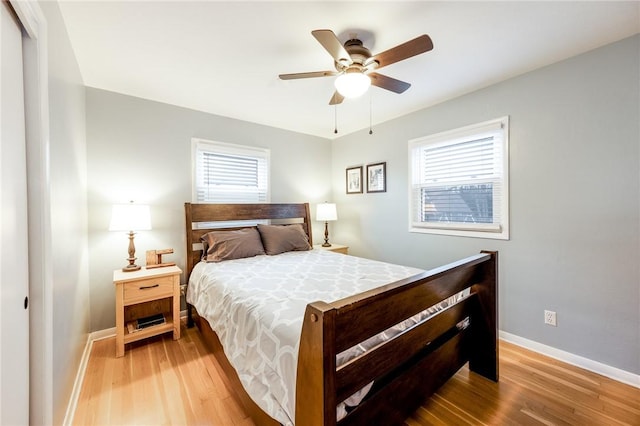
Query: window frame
point(450, 137)
point(225, 148)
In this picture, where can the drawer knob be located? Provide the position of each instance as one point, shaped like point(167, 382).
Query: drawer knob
point(146, 287)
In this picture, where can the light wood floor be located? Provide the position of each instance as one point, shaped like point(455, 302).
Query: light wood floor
point(166, 382)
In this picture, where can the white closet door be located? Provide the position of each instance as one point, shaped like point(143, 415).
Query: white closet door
point(14, 279)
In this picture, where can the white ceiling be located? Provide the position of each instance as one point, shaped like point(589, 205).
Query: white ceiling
point(224, 57)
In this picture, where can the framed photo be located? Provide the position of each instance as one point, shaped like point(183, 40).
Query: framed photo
point(354, 180)
point(377, 177)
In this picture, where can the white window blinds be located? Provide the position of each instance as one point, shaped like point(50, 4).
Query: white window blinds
point(226, 173)
point(459, 181)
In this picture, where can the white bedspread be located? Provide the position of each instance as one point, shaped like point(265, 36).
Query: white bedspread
point(256, 306)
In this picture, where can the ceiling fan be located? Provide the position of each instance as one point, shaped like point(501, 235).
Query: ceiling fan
point(355, 64)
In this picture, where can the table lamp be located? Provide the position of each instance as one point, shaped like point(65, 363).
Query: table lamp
point(130, 217)
point(326, 212)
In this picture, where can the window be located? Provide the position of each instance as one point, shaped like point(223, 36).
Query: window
point(460, 181)
point(227, 173)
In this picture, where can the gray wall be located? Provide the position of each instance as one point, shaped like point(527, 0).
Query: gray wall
point(575, 175)
point(141, 150)
point(575, 189)
point(70, 304)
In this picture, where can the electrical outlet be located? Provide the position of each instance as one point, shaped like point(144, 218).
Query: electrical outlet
point(550, 318)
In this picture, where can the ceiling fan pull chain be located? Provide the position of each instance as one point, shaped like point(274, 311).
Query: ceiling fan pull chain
point(370, 113)
point(335, 119)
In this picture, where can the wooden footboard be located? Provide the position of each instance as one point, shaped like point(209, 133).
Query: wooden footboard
point(409, 367)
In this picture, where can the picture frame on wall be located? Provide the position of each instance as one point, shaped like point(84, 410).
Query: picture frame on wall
point(354, 180)
point(377, 177)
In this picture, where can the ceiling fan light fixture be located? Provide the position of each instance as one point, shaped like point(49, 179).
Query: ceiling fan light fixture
point(352, 84)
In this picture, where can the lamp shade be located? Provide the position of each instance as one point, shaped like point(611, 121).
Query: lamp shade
point(326, 212)
point(352, 84)
point(130, 217)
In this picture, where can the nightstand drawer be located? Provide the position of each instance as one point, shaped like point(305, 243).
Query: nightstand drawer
point(148, 289)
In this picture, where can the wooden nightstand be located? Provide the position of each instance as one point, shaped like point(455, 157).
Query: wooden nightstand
point(141, 294)
point(338, 248)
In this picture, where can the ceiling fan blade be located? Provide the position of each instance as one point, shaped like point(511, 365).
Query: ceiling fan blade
point(388, 83)
point(403, 51)
point(295, 76)
point(336, 99)
point(330, 42)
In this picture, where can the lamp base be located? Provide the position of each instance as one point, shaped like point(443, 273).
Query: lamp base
point(326, 235)
point(131, 266)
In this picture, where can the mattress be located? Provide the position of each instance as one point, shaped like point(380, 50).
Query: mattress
point(256, 306)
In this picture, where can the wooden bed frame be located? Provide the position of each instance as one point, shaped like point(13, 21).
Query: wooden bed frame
point(407, 369)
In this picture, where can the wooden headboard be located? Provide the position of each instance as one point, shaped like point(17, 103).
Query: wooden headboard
point(201, 218)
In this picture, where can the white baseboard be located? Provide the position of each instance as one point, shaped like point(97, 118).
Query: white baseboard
point(102, 334)
point(77, 384)
point(82, 369)
point(585, 363)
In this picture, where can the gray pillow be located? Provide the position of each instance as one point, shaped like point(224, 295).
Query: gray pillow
point(236, 244)
point(282, 238)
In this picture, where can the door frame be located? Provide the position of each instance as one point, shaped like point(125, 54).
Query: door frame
point(36, 91)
